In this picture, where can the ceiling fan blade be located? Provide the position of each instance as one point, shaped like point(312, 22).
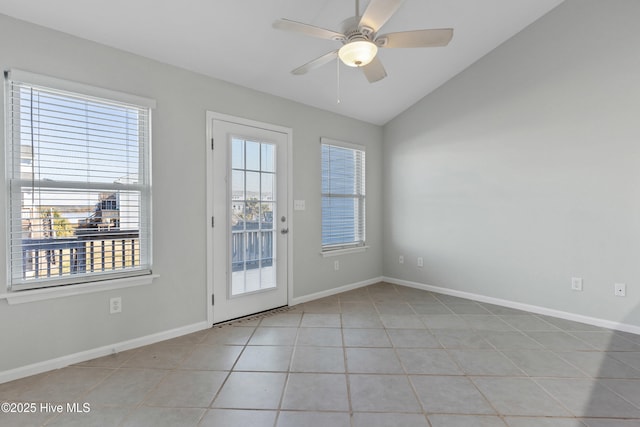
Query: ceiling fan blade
point(316, 63)
point(374, 70)
point(378, 13)
point(310, 30)
point(418, 38)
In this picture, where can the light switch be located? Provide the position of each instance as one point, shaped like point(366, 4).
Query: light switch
point(298, 205)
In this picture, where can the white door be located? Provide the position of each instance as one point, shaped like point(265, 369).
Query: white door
point(247, 189)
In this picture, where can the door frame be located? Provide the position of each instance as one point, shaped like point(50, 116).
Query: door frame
point(211, 187)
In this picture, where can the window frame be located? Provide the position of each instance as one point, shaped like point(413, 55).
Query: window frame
point(359, 244)
point(45, 288)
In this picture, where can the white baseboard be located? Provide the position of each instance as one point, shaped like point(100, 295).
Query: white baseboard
point(334, 291)
point(83, 356)
point(520, 306)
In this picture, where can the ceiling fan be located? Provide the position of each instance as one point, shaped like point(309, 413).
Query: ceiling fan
point(360, 39)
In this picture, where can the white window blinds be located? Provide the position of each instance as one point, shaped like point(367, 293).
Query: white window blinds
point(80, 188)
point(343, 195)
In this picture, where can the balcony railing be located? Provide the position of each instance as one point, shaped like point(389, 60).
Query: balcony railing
point(89, 251)
point(250, 247)
point(96, 251)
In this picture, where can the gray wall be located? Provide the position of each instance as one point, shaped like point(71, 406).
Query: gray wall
point(44, 330)
point(524, 170)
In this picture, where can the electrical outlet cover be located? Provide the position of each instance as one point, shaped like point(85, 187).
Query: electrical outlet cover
point(115, 305)
point(620, 290)
point(576, 283)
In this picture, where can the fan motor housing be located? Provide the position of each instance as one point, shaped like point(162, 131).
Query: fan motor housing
point(353, 32)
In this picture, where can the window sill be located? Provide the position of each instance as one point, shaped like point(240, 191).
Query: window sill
point(21, 297)
point(336, 252)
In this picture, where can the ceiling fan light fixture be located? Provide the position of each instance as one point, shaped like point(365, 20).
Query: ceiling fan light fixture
point(358, 53)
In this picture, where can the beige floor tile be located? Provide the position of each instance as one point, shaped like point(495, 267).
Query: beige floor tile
point(238, 418)
point(187, 389)
point(628, 389)
point(485, 362)
point(126, 387)
point(542, 363)
point(598, 364)
point(229, 335)
point(400, 321)
point(313, 419)
point(382, 393)
point(589, 398)
point(357, 307)
point(12, 390)
point(372, 360)
point(368, 419)
point(361, 320)
point(318, 359)
point(265, 335)
point(114, 360)
point(543, 422)
point(282, 319)
point(427, 362)
point(399, 308)
point(465, 421)
point(558, 340)
point(99, 416)
point(379, 356)
point(159, 356)
point(264, 358)
point(413, 338)
point(251, 390)
point(433, 307)
point(212, 358)
point(602, 422)
point(366, 338)
point(322, 337)
point(316, 320)
point(316, 392)
point(519, 396)
point(461, 339)
point(450, 395)
point(66, 385)
point(444, 321)
point(163, 417)
point(21, 419)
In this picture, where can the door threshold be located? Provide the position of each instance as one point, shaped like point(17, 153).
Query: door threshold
point(254, 316)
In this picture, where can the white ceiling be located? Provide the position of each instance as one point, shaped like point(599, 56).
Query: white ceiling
point(233, 40)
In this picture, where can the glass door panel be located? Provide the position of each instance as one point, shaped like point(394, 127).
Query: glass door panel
point(253, 209)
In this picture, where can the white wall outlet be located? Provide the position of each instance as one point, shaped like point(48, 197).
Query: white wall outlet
point(115, 305)
point(576, 284)
point(620, 290)
point(420, 262)
point(298, 205)
point(401, 259)
point(336, 265)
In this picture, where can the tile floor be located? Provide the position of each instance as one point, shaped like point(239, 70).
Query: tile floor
point(383, 355)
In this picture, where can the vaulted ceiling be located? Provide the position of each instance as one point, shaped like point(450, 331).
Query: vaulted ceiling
point(234, 40)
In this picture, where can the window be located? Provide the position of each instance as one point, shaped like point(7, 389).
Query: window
point(79, 179)
point(343, 195)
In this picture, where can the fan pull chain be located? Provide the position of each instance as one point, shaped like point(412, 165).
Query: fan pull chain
point(337, 81)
